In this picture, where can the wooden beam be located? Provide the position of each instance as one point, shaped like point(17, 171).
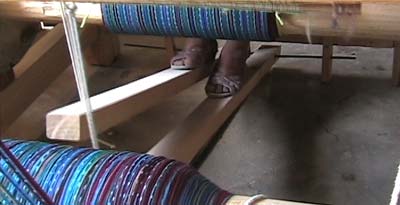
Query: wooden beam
point(117, 105)
point(396, 64)
point(378, 21)
point(31, 124)
point(48, 11)
point(170, 47)
point(327, 53)
point(375, 21)
point(63, 90)
point(184, 142)
point(105, 50)
point(40, 66)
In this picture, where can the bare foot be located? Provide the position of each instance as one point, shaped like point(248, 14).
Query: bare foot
point(227, 78)
point(197, 53)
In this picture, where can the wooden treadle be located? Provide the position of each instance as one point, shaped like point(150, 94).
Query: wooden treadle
point(185, 141)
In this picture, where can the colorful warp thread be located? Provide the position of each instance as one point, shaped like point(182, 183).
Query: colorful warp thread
point(86, 176)
point(205, 22)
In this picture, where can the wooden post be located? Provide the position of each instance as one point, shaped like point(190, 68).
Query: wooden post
point(170, 48)
point(396, 64)
point(40, 66)
point(185, 141)
point(105, 50)
point(327, 53)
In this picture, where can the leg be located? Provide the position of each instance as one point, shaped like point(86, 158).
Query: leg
point(227, 78)
point(197, 53)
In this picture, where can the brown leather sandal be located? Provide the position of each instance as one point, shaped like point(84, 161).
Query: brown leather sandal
point(196, 57)
point(221, 86)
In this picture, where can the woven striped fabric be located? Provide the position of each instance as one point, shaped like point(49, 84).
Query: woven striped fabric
point(206, 22)
point(84, 176)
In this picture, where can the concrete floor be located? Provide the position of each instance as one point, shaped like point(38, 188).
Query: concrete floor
point(295, 138)
point(298, 139)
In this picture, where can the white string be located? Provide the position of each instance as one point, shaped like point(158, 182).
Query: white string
point(396, 190)
point(78, 64)
point(252, 200)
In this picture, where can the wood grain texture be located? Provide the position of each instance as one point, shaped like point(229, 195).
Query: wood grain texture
point(188, 139)
point(327, 61)
point(375, 24)
point(117, 105)
point(40, 66)
point(396, 65)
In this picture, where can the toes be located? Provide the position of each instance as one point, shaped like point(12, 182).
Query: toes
point(178, 62)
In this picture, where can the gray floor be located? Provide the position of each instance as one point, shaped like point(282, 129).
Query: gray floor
point(298, 139)
point(295, 138)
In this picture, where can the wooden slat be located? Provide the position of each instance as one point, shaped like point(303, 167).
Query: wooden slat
point(327, 53)
point(117, 105)
point(31, 124)
point(376, 25)
point(396, 65)
point(377, 21)
point(184, 142)
point(169, 47)
point(40, 66)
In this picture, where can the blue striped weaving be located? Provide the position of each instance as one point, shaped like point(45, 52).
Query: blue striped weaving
point(205, 22)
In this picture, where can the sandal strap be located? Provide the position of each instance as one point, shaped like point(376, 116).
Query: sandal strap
point(232, 82)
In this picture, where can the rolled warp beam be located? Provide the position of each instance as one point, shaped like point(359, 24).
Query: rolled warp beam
point(205, 22)
point(377, 20)
point(85, 176)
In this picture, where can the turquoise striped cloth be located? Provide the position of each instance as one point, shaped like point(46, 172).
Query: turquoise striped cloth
point(204, 22)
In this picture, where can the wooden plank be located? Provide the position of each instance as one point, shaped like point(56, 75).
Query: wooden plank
point(377, 20)
point(48, 11)
point(338, 41)
point(105, 50)
point(63, 90)
point(396, 65)
point(169, 48)
point(184, 142)
point(117, 105)
point(30, 125)
point(327, 53)
point(40, 66)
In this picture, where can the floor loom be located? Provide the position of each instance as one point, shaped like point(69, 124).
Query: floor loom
point(370, 23)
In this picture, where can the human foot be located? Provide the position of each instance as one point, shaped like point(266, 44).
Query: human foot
point(226, 79)
point(197, 53)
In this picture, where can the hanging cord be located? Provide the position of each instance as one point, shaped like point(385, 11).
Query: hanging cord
point(254, 199)
point(78, 64)
point(396, 189)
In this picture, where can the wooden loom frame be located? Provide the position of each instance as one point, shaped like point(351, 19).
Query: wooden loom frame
point(176, 144)
point(260, 63)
